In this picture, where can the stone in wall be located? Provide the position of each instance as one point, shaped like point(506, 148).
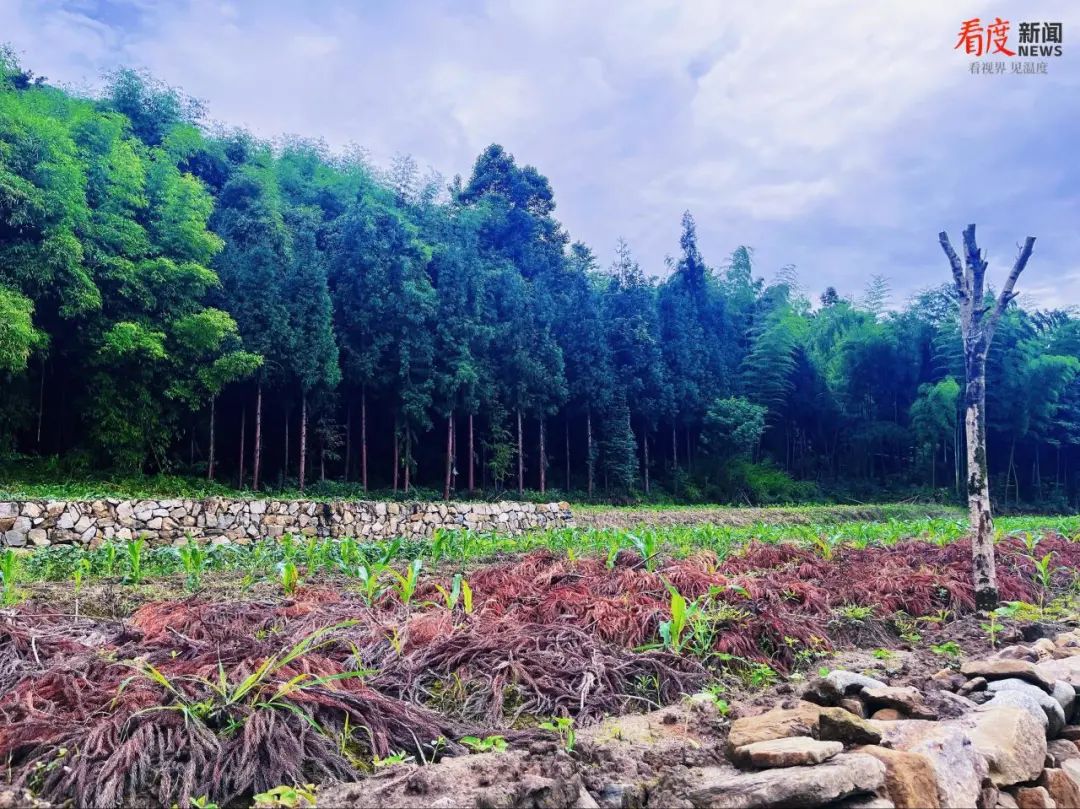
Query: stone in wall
point(37, 523)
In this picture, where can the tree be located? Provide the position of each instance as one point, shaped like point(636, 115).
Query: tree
point(978, 320)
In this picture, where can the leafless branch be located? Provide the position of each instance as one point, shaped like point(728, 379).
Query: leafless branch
point(1007, 293)
point(954, 262)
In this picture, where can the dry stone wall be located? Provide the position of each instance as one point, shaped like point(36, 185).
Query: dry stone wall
point(40, 522)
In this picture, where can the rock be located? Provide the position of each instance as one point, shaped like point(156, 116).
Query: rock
point(1065, 694)
point(1070, 732)
point(958, 766)
point(790, 752)
point(1051, 707)
point(1064, 791)
point(839, 725)
point(779, 723)
point(948, 679)
point(1066, 668)
point(1034, 798)
point(863, 802)
point(949, 705)
point(1061, 750)
point(1017, 699)
point(1005, 669)
point(1006, 801)
point(1016, 652)
point(853, 705)
point(1044, 646)
point(836, 685)
point(903, 698)
point(1011, 740)
point(972, 685)
point(910, 780)
point(842, 776)
point(887, 715)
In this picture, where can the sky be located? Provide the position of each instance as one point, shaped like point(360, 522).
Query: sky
point(838, 136)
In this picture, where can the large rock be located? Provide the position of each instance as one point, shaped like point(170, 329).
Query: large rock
point(1063, 789)
point(958, 766)
point(1066, 668)
point(836, 685)
point(839, 725)
point(1012, 741)
point(910, 780)
point(780, 723)
point(1060, 750)
point(1055, 715)
point(1020, 669)
point(1065, 694)
point(845, 775)
point(1034, 798)
point(796, 751)
point(903, 698)
point(1018, 699)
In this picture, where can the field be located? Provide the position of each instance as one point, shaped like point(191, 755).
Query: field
point(224, 675)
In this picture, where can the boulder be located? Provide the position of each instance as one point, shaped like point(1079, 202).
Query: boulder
point(1060, 750)
point(903, 698)
point(910, 780)
point(1017, 699)
point(836, 685)
point(1064, 791)
point(1002, 669)
point(792, 752)
point(886, 715)
point(839, 725)
point(958, 767)
point(780, 723)
point(1055, 715)
point(1065, 694)
point(1011, 740)
point(1006, 801)
point(842, 776)
point(1034, 798)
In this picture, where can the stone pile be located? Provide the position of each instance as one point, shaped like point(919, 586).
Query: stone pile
point(998, 732)
point(41, 522)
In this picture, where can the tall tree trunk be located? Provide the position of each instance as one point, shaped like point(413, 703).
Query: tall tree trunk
point(408, 456)
point(977, 325)
point(674, 447)
point(213, 443)
point(286, 431)
point(472, 480)
point(978, 484)
point(689, 461)
point(520, 457)
point(566, 424)
point(243, 429)
point(1010, 474)
point(363, 440)
point(645, 445)
point(255, 465)
point(397, 453)
point(449, 453)
point(543, 458)
point(303, 437)
point(41, 403)
point(588, 449)
point(348, 439)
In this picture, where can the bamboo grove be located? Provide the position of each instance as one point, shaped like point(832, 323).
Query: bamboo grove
point(179, 297)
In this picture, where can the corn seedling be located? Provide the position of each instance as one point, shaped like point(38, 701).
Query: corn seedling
point(405, 584)
point(193, 558)
point(289, 576)
point(8, 573)
point(133, 552)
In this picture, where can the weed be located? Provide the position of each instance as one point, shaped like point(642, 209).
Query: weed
point(883, 654)
point(949, 648)
point(485, 745)
point(564, 727)
point(285, 797)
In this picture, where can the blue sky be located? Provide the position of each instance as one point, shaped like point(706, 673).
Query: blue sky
point(839, 137)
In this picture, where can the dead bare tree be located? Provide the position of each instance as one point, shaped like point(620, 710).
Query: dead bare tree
point(978, 320)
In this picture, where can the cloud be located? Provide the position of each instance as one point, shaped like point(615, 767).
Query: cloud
point(839, 137)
